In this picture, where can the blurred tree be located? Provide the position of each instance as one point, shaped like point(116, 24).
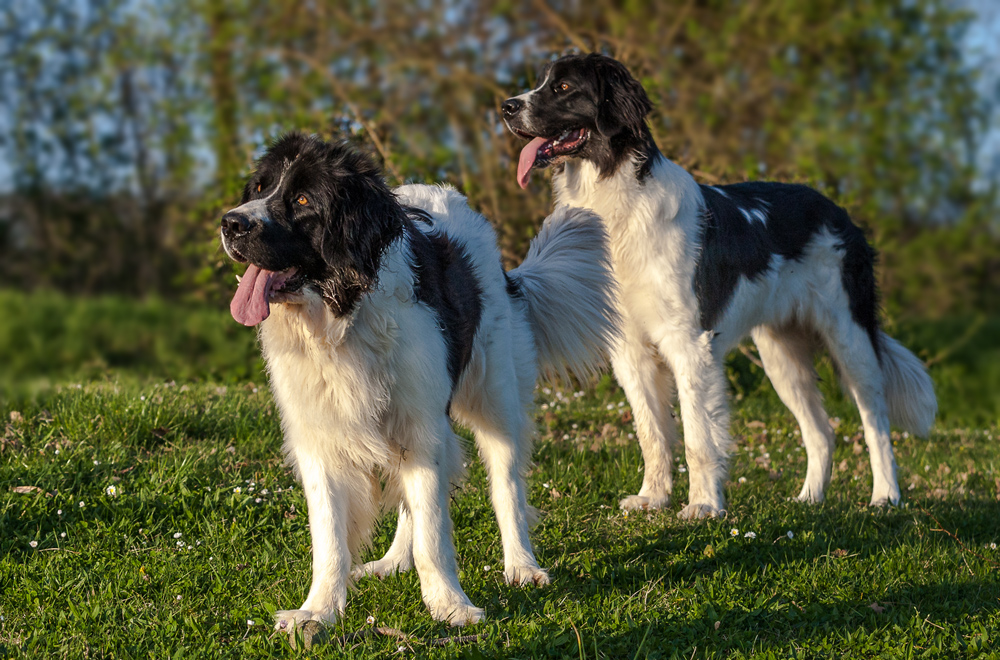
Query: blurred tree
point(152, 111)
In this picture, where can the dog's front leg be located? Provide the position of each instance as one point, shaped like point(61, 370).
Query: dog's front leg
point(328, 496)
point(425, 483)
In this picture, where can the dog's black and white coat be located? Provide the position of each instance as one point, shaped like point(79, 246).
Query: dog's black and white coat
point(700, 267)
point(382, 312)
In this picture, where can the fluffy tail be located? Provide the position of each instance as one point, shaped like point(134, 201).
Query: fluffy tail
point(909, 391)
point(570, 292)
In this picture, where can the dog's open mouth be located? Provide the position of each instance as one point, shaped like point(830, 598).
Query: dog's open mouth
point(541, 152)
point(258, 288)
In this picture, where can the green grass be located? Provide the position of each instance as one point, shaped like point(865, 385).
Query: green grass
point(919, 580)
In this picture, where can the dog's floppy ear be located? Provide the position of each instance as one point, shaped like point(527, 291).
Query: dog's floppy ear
point(368, 220)
point(622, 102)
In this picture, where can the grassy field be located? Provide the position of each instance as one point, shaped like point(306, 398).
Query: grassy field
point(146, 512)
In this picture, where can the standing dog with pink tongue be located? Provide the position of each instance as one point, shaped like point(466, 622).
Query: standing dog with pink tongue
point(383, 315)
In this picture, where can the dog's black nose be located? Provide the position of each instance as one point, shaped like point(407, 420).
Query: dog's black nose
point(235, 223)
point(511, 107)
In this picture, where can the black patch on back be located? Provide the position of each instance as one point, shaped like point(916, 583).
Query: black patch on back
point(446, 282)
point(735, 246)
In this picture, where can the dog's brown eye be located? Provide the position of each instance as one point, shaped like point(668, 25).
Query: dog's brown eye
point(301, 200)
point(564, 86)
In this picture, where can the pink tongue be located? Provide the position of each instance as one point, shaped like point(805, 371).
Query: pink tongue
point(249, 305)
point(526, 160)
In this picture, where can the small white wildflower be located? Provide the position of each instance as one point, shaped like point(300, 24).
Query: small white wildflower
point(566, 437)
point(177, 535)
point(611, 407)
point(258, 500)
point(180, 544)
point(993, 546)
point(546, 485)
point(142, 398)
point(82, 504)
point(621, 404)
point(682, 469)
point(63, 535)
point(546, 390)
point(59, 512)
point(249, 622)
point(33, 544)
point(847, 438)
point(400, 649)
point(789, 534)
point(111, 490)
point(749, 535)
point(370, 620)
point(734, 532)
point(545, 406)
point(264, 492)
point(178, 596)
point(742, 480)
point(57, 452)
point(927, 468)
point(576, 426)
point(97, 462)
point(237, 490)
point(486, 568)
point(906, 434)
point(631, 436)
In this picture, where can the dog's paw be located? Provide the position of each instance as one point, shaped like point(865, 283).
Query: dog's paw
point(525, 575)
point(810, 495)
point(457, 613)
point(883, 501)
point(696, 511)
point(289, 620)
point(379, 568)
point(642, 502)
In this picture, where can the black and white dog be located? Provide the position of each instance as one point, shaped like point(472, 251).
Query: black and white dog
point(382, 312)
point(699, 268)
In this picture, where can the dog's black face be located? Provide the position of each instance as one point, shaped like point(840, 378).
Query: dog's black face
point(313, 213)
point(587, 106)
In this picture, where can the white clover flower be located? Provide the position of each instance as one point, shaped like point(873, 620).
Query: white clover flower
point(682, 468)
point(546, 390)
point(97, 462)
point(249, 622)
point(59, 512)
point(264, 492)
point(486, 568)
point(82, 504)
point(180, 544)
point(111, 490)
point(545, 406)
point(621, 404)
point(370, 620)
point(742, 480)
point(178, 596)
point(57, 452)
point(749, 535)
point(33, 544)
point(611, 406)
point(734, 532)
point(63, 535)
point(177, 535)
point(576, 426)
point(789, 534)
point(546, 485)
point(258, 500)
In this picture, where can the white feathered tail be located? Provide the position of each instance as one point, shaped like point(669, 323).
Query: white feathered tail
point(570, 292)
point(909, 391)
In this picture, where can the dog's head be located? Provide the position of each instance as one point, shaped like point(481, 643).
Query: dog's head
point(314, 216)
point(586, 106)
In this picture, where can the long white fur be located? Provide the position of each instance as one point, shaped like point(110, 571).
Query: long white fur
point(362, 402)
point(655, 231)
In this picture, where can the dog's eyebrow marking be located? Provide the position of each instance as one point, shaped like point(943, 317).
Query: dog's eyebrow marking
point(760, 215)
point(746, 214)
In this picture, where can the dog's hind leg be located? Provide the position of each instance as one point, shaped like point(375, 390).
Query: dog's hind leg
point(399, 557)
point(852, 349)
point(787, 354)
point(649, 387)
point(425, 479)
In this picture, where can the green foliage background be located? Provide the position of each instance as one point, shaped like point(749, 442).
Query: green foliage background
point(130, 123)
